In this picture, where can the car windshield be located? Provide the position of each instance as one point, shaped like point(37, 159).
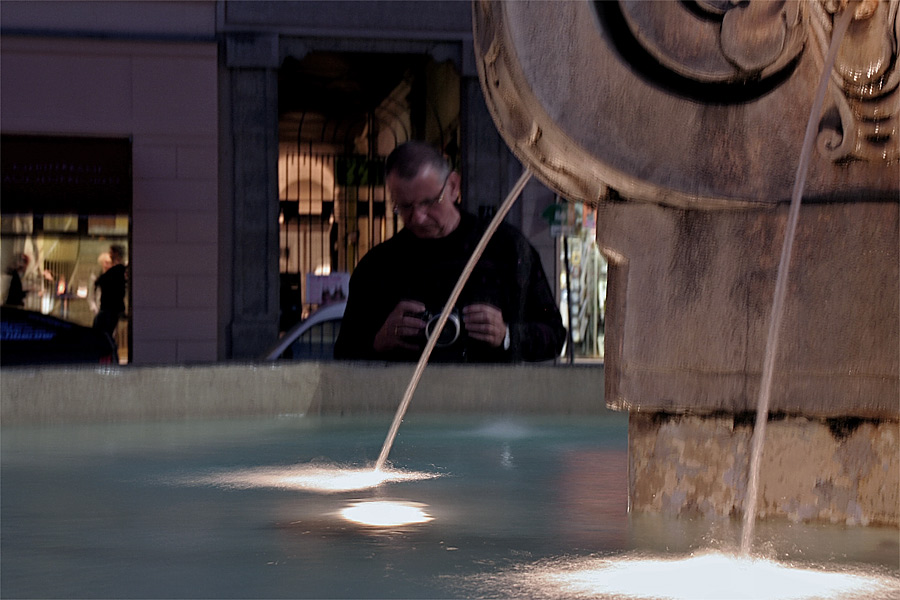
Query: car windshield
point(311, 339)
point(316, 343)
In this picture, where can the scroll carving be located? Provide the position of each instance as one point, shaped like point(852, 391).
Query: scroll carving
point(862, 123)
point(722, 43)
point(719, 41)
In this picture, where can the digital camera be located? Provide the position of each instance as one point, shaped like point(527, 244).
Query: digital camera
point(452, 331)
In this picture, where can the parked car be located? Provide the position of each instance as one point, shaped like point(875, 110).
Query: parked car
point(31, 338)
point(311, 339)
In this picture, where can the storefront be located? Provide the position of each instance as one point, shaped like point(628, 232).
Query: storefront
point(66, 202)
point(582, 278)
point(113, 141)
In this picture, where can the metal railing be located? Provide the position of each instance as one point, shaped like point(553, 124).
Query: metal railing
point(332, 211)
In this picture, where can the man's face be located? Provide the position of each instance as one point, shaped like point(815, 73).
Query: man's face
point(426, 203)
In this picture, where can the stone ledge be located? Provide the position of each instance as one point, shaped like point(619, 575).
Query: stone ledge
point(76, 394)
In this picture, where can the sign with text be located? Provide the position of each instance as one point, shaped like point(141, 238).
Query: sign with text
point(69, 175)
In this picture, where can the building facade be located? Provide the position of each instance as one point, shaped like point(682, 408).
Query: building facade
point(212, 101)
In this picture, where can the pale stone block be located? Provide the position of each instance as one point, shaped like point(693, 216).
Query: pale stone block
point(154, 161)
point(153, 227)
point(197, 291)
point(44, 395)
point(178, 259)
point(174, 194)
point(189, 104)
point(195, 227)
point(155, 291)
point(834, 470)
point(197, 351)
point(33, 87)
point(175, 324)
point(152, 393)
point(198, 162)
point(149, 351)
point(115, 18)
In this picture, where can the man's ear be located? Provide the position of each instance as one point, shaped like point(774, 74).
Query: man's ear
point(454, 182)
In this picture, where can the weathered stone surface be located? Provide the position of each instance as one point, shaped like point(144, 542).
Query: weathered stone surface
point(683, 114)
point(811, 469)
point(691, 295)
point(685, 122)
point(45, 395)
point(665, 105)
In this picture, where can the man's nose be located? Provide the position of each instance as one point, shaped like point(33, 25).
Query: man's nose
point(419, 214)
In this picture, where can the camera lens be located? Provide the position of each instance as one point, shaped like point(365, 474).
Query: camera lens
point(450, 332)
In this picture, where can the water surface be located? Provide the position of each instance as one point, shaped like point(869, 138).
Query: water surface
point(175, 510)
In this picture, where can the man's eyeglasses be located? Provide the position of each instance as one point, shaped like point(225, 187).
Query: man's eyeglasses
point(424, 205)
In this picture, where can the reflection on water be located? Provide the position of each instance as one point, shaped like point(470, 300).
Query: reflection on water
point(386, 513)
point(710, 576)
point(253, 508)
point(309, 477)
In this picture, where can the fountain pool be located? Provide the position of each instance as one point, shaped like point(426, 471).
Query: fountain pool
point(196, 508)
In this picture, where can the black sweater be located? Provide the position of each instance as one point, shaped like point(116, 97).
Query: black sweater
point(508, 276)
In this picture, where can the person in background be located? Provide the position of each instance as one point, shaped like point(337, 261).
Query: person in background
point(111, 285)
point(506, 312)
point(16, 294)
point(105, 262)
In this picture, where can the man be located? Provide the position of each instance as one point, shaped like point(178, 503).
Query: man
point(112, 292)
point(506, 311)
point(17, 292)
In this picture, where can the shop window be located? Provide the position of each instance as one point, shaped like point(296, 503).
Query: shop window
point(583, 274)
point(66, 202)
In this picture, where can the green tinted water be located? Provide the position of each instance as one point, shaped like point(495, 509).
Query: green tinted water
point(128, 510)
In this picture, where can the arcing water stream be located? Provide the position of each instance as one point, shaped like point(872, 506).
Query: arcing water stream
point(445, 314)
point(765, 390)
point(758, 440)
point(614, 578)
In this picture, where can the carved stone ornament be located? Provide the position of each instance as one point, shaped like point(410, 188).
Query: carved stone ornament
point(862, 122)
point(693, 103)
point(719, 40)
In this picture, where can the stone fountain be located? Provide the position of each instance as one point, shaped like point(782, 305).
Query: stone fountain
point(683, 121)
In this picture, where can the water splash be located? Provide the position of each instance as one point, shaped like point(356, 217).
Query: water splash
point(765, 391)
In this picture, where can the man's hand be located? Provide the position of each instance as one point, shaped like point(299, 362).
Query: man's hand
point(484, 322)
point(401, 328)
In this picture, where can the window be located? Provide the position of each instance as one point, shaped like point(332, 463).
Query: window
point(66, 201)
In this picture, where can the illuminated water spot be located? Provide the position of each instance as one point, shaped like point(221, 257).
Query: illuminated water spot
point(386, 513)
point(711, 576)
point(313, 478)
